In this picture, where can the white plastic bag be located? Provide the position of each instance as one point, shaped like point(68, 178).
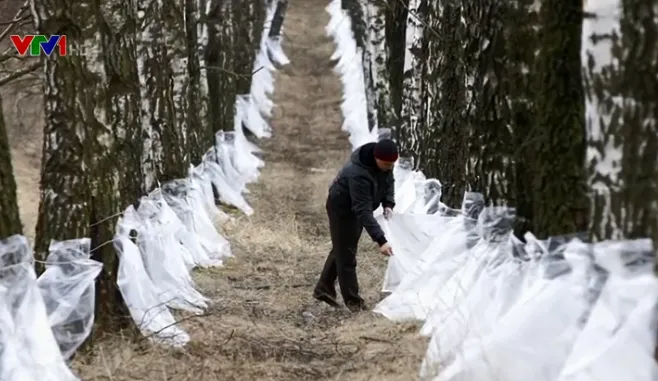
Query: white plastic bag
point(532, 341)
point(28, 350)
point(68, 287)
point(141, 296)
point(164, 258)
point(415, 296)
point(620, 336)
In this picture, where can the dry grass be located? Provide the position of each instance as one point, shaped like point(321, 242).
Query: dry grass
point(263, 324)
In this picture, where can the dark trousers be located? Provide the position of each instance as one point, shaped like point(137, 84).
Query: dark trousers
point(345, 232)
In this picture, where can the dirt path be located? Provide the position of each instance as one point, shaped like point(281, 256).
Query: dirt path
point(264, 324)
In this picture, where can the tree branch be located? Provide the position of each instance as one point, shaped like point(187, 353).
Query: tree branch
point(19, 73)
point(15, 21)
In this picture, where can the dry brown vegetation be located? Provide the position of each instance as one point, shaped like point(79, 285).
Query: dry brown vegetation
point(263, 324)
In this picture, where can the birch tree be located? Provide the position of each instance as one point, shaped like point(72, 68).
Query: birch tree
point(499, 47)
point(200, 8)
point(219, 64)
point(620, 62)
point(522, 47)
point(445, 148)
point(243, 43)
point(411, 102)
point(165, 158)
point(558, 139)
point(368, 15)
point(379, 60)
point(10, 220)
point(79, 177)
point(184, 134)
point(123, 104)
point(260, 15)
point(200, 134)
point(396, 26)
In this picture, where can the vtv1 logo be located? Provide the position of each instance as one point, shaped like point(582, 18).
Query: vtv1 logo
point(39, 43)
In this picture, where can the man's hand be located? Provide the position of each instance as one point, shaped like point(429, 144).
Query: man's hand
point(388, 213)
point(386, 250)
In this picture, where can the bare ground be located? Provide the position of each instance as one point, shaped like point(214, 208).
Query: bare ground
point(263, 324)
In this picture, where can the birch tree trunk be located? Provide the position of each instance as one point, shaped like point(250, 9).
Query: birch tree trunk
point(380, 71)
point(79, 178)
point(410, 110)
point(203, 39)
point(260, 14)
point(219, 64)
point(619, 55)
point(522, 46)
point(446, 134)
point(10, 219)
point(368, 14)
point(488, 61)
point(200, 135)
point(558, 140)
point(396, 26)
point(165, 158)
point(243, 44)
point(180, 134)
point(118, 19)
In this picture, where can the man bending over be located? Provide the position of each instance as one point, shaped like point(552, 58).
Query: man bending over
point(364, 183)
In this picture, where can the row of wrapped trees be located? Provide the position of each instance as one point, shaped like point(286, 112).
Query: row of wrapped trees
point(546, 106)
point(134, 103)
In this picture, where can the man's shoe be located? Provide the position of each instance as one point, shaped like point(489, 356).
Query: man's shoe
point(357, 307)
point(326, 298)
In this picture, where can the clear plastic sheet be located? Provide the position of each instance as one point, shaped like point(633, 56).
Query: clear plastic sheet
point(460, 307)
point(28, 349)
point(200, 236)
point(206, 197)
point(620, 336)
point(244, 155)
point(532, 341)
point(140, 294)
point(415, 296)
point(68, 288)
point(166, 260)
point(493, 227)
point(409, 236)
point(230, 169)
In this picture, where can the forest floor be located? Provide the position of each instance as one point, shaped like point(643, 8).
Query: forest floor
point(264, 324)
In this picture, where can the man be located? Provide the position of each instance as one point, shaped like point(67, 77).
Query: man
point(364, 183)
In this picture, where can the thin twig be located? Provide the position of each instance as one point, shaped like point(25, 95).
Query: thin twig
point(19, 73)
point(175, 323)
point(17, 19)
point(232, 72)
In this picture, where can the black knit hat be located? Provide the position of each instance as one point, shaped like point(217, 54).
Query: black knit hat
point(386, 150)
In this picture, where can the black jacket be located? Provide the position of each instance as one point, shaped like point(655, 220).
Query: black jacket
point(360, 187)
